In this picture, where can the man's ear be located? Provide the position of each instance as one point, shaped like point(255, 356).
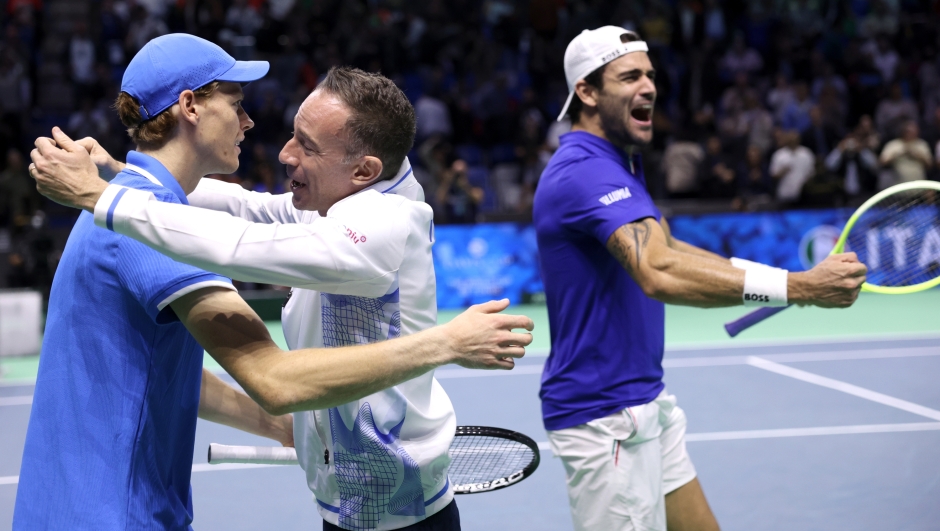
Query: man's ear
point(187, 107)
point(587, 93)
point(367, 171)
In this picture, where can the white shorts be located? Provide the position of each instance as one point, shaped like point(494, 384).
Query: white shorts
point(619, 468)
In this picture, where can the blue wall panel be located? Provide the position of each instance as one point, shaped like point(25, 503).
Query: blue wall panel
point(477, 263)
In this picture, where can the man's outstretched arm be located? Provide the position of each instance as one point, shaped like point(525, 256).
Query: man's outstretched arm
point(69, 165)
point(693, 279)
point(282, 382)
point(684, 247)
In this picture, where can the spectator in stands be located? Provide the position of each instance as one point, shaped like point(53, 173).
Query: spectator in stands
point(18, 273)
point(733, 98)
point(855, 163)
point(931, 129)
point(741, 59)
point(882, 19)
point(928, 77)
point(82, 61)
point(795, 115)
point(112, 32)
point(432, 115)
point(894, 111)
point(459, 199)
point(833, 108)
point(716, 175)
point(242, 18)
point(820, 138)
point(90, 120)
point(779, 97)
point(681, 162)
point(688, 26)
point(14, 99)
point(883, 58)
point(269, 116)
point(759, 122)
point(716, 29)
point(756, 188)
point(829, 78)
point(18, 199)
point(908, 156)
point(866, 134)
point(791, 166)
point(142, 28)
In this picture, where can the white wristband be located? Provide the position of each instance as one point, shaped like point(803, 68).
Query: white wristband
point(765, 286)
point(744, 264)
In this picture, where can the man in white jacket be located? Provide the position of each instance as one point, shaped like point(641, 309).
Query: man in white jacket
point(354, 241)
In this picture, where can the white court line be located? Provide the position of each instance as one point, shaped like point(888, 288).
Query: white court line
point(808, 432)
point(704, 361)
point(717, 361)
point(809, 341)
point(16, 400)
point(690, 437)
point(848, 388)
point(474, 373)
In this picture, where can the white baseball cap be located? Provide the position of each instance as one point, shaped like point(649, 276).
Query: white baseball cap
point(591, 50)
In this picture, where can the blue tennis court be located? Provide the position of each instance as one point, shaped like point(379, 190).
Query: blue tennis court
point(837, 432)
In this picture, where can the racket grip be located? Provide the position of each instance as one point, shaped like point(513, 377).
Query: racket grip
point(265, 455)
point(737, 326)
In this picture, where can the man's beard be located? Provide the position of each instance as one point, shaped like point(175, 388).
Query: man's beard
point(615, 126)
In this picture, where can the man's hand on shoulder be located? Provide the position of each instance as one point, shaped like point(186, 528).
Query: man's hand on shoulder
point(65, 172)
point(483, 338)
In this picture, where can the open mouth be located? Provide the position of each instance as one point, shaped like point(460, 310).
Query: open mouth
point(642, 114)
point(294, 185)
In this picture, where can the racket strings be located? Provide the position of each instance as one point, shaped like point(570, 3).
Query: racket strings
point(898, 239)
point(479, 459)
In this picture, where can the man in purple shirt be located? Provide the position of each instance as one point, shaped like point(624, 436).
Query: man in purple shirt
point(609, 264)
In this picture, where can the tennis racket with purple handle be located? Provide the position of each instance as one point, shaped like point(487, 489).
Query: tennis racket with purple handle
point(896, 234)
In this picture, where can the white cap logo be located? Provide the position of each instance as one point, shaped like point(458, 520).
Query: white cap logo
point(591, 50)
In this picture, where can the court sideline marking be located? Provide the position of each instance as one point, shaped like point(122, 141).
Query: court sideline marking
point(718, 361)
point(838, 385)
point(16, 400)
point(669, 363)
point(691, 437)
point(765, 363)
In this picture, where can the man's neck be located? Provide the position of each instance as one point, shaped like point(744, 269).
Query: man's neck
point(181, 162)
point(592, 125)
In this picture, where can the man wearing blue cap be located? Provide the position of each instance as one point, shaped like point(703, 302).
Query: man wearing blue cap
point(111, 433)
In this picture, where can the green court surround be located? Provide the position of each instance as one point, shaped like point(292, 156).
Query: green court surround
point(873, 316)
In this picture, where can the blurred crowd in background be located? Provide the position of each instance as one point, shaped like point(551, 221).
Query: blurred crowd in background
point(762, 104)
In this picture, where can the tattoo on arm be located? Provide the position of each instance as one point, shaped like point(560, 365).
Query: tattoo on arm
point(639, 232)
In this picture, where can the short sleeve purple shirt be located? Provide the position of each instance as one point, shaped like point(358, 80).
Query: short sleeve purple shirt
point(607, 335)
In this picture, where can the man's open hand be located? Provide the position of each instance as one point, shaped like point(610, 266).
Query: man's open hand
point(483, 338)
point(65, 172)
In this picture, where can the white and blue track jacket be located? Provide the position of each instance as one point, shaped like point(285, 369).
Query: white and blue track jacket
point(361, 274)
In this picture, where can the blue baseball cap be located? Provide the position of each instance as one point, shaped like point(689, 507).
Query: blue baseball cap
point(168, 65)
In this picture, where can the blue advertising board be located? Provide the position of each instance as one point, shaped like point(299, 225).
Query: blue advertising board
point(792, 239)
point(477, 263)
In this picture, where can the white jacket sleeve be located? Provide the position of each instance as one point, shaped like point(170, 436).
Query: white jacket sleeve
point(253, 206)
point(328, 254)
